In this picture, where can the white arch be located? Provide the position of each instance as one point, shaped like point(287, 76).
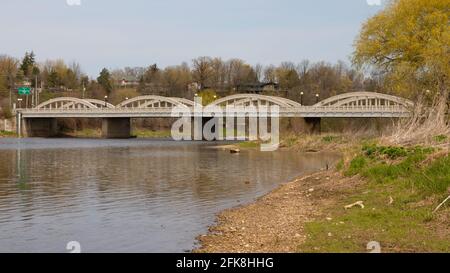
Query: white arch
point(366, 99)
point(152, 101)
point(66, 103)
point(100, 103)
point(254, 99)
point(185, 101)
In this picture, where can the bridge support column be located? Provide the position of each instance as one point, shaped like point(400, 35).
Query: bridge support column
point(116, 127)
point(39, 127)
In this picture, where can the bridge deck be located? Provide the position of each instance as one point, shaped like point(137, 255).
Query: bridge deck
point(304, 111)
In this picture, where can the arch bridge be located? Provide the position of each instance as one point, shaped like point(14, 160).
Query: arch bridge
point(355, 104)
point(348, 105)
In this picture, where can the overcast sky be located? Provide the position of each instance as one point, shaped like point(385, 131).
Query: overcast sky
point(119, 33)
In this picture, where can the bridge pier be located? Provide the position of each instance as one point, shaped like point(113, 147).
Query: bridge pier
point(116, 127)
point(39, 127)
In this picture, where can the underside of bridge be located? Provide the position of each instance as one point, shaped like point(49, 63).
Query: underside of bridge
point(48, 127)
point(116, 127)
point(40, 127)
point(301, 125)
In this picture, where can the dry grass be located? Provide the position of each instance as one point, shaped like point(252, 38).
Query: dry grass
point(426, 126)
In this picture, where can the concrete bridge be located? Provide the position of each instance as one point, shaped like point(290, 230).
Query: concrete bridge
point(41, 120)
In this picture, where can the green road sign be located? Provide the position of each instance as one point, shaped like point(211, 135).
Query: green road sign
point(24, 90)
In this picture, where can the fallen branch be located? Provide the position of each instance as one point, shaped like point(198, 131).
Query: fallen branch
point(359, 203)
point(441, 204)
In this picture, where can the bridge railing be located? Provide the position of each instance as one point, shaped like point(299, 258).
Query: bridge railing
point(317, 109)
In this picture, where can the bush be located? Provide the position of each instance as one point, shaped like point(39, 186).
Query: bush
point(356, 165)
point(440, 138)
point(329, 139)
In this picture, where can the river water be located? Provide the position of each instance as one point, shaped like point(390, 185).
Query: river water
point(128, 195)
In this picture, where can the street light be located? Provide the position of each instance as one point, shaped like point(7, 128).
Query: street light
point(106, 101)
point(317, 98)
point(20, 103)
point(301, 98)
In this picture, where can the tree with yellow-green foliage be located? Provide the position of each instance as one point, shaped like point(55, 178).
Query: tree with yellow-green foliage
point(410, 42)
point(208, 96)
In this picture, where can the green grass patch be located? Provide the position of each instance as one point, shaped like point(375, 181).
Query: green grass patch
point(7, 134)
point(85, 133)
point(440, 138)
point(329, 139)
point(405, 225)
point(152, 134)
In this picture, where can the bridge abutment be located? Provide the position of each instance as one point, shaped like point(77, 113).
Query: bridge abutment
point(116, 127)
point(39, 127)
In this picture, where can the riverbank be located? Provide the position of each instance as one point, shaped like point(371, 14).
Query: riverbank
point(390, 194)
point(7, 134)
point(138, 133)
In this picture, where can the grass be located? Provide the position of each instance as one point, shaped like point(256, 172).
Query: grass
point(143, 133)
point(441, 138)
point(416, 186)
point(7, 134)
point(85, 133)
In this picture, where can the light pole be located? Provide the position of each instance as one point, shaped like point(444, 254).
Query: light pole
point(84, 90)
point(317, 98)
point(106, 101)
point(20, 103)
point(301, 98)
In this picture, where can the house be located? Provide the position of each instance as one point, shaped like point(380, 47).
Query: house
point(128, 82)
point(258, 88)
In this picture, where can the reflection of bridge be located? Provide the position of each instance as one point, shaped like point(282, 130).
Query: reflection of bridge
point(354, 105)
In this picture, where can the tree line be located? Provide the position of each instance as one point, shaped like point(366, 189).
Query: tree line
point(402, 50)
point(204, 74)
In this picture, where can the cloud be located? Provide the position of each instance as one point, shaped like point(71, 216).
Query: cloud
point(73, 2)
point(374, 2)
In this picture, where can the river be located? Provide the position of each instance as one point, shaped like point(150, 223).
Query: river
point(133, 195)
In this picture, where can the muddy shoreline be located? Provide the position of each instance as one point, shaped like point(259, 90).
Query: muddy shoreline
point(274, 222)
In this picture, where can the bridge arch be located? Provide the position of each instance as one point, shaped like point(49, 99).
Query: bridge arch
point(100, 103)
point(255, 100)
point(66, 103)
point(153, 101)
point(186, 102)
point(365, 99)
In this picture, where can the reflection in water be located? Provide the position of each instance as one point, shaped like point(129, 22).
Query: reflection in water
point(128, 195)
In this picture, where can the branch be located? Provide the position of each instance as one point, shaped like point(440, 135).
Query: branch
point(441, 204)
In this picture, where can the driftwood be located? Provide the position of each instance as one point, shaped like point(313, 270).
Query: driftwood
point(441, 204)
point(359, 203)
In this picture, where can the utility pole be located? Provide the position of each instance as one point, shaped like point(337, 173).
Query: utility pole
point(10, 92)
point(35, 91)
point(84, 90)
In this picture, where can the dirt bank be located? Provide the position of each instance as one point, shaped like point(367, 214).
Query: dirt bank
point(380, 194)
point(274, 223)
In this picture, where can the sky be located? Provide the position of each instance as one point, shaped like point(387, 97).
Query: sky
point(119, 33)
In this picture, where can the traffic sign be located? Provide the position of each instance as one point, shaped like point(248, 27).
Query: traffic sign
point(24, 90)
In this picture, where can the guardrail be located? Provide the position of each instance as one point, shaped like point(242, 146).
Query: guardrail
point(305, 111)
